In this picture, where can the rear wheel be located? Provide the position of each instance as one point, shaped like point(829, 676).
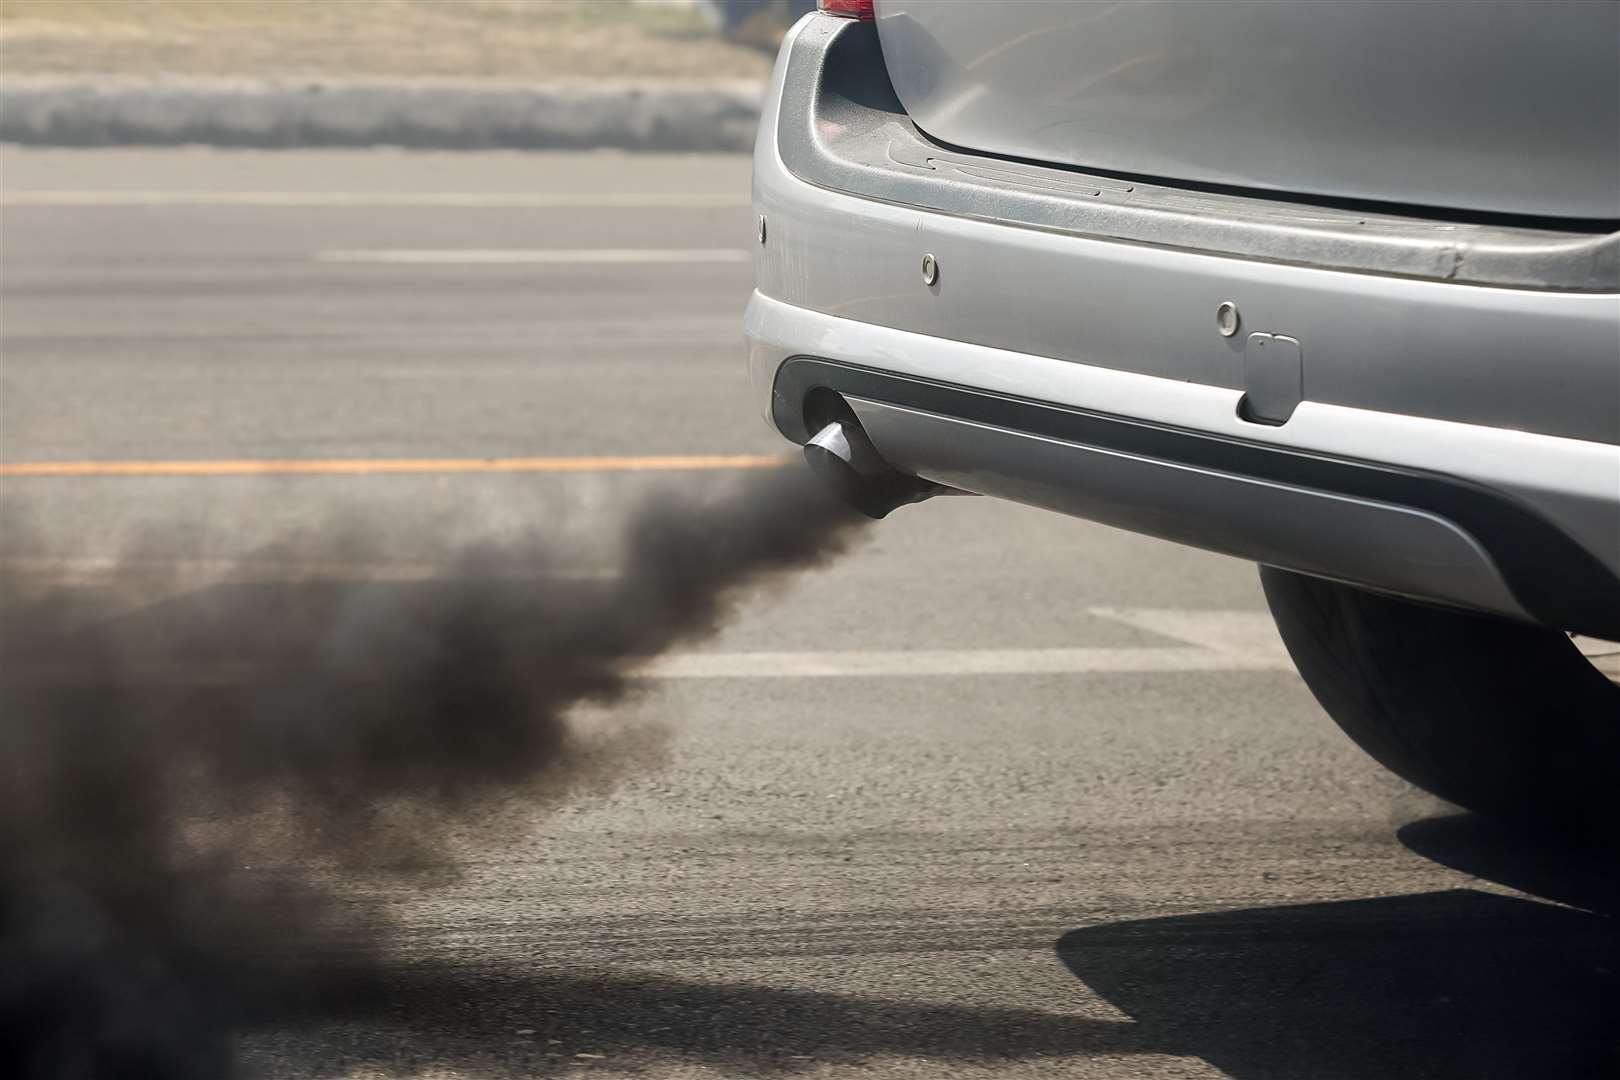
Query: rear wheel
point(1500, 717)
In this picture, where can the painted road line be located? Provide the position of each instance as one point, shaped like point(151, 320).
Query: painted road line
point(1591, 646)
point(1233, 644)
point(847, 664)
point(406, 199)
point(1233, 633)
point(178, 574)
point(373, 466)
point(509, 256)
point(941, 662)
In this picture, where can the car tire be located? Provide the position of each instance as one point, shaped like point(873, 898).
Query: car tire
point(1500, 717)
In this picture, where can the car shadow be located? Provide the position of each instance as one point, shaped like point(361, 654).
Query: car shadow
point(1524, 859)
point(1461, 983)
point(475, 1020)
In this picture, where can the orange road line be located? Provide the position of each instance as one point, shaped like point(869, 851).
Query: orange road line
point(372, 466)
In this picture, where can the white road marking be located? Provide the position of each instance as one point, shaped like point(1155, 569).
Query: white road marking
point(1231, 633)
point(408, 199)
point(1210, 640)
point(1214, 641)
point(505, 256)
point(1591, 646)
point(936, 662)
point(905, 663)
point(174, 575)
point(1605, 655)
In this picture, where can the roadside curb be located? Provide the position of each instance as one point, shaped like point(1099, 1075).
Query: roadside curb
point(436, 113)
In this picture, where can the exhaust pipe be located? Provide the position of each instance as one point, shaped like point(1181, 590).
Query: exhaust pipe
point(845, 459)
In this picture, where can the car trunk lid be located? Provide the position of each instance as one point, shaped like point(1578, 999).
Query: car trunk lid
point(1511, 107)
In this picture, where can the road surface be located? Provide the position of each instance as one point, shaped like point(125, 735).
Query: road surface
point(996, 794)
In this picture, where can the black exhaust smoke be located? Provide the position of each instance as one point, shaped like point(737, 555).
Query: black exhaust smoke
point(186, 789)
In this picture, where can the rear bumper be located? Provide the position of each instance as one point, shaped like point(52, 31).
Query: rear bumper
point(1454, 442)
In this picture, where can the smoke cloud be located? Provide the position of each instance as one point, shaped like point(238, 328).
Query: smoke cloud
point(185, 787)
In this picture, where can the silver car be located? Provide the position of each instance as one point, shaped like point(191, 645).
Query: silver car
point(1328, 286)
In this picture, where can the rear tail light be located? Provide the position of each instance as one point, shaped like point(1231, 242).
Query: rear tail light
point(850, 9)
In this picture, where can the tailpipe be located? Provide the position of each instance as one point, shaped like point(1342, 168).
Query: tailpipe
point(845, 459)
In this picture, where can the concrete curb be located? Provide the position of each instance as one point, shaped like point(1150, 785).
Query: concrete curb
point(440, 113)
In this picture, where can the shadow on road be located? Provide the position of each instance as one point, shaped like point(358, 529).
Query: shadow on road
point(1462, 983)
point(470, 1020)
point(1528, 861)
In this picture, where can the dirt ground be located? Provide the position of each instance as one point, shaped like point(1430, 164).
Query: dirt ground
point(521, 39)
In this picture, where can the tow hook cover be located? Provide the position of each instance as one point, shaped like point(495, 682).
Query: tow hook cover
point(1273, 378)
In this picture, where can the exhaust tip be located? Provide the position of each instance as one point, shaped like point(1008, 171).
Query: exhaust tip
point(845, 459)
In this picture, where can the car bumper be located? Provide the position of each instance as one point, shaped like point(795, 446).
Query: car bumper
point(1454, 442)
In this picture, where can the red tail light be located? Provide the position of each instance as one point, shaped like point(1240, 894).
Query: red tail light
point(852, 9)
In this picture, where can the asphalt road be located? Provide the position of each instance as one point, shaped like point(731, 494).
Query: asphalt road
point(997, 793)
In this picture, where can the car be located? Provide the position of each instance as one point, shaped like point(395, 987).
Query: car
point(1332, 287)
